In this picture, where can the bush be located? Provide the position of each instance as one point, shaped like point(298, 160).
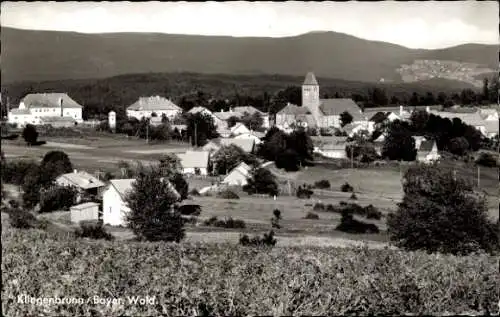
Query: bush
point(350, 225)
point(487, 160)
point(227, 194)
point(319, 206)
point(190, 210)
point(322, 184)
point(261, 181)
point(372, 212)
point(346, 187)
point(441, 213)
point(312, 215)
point(194, 192)
point(92, 230)
point(304, 192)
point(30, 135)
point(229, 223)
point(275, 220)
point(267, 240)
point(353, 196)
point(458, 146)
point(21, 219)
point(57, 198)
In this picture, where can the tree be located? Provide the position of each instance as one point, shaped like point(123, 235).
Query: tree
point(362, 151)
point(418, 121)
point(345, 118)
point(486, 89)
point(252, 121)
point(55, 163)
point(441, 213)
point(31, 187)
point(153, 215)
point(30, 135)
point(228, 157)
point(164, 118)
point(231, 122)
point(261, 181)
point(200, 128)
point(288, 160)
point(180, 184)
point(414, 100)
point(170, 167)
point(379, 97)
point(458, 146)
point(399, 144)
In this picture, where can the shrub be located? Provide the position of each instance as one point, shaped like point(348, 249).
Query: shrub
point(311, 215)
point(346, 187)
point(30, 135)
point(353, 196)
point(441, 213)
point(275, 220)
point(92, 230)
point(190, 210)
point(227, 194)
point(487, 159)
point(261, 181)
point(21, 219)
point(350, 225)
point(267, 240)
point(304, 192)
point(322, 184)
point(319, 206)
point(458, 146)
point(194, 192)
point(372, 212)
point(57, 198)
point(229, 223)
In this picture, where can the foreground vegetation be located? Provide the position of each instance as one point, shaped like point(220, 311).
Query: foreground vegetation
point(235, 280)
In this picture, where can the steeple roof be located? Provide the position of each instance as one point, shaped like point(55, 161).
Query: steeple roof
point(310, 79)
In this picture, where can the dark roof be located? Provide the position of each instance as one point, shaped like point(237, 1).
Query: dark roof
point(338, 105)
point(294, 109)
point(426, 146)
point(379, 117)
point(310, 79)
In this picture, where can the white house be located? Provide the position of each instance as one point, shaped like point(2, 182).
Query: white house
point(428, 152)
point(239, 128)
point(146, 107)
point(238, 175)
point(114, 206)
point(219, 123)
point(83, 181)
point(195, 162)
point(332, 150)
point(85, 211)
point(251, 110)
point(46, 108)
point(255, 136)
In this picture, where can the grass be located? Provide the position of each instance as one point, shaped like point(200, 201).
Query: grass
point(222, 279)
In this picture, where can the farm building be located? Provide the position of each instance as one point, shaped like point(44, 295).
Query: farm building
point(220, 124)
point(115, 208)
point(195, 162)
point(85, 211)
point(255, 136)
point(147, 107)
point(86, 183)
point(238, 175)
point(33, 108)
point(239, 128)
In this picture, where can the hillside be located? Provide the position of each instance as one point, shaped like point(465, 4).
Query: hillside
point(49, 55)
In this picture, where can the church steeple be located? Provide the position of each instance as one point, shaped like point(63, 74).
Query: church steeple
point(310, 95)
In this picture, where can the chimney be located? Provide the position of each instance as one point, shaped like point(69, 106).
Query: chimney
point(230, 109)
point(75, 171)
point(400, 110)
point(61, 106)
point(427, 109)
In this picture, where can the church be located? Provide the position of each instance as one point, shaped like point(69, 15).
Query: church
point(316, 112)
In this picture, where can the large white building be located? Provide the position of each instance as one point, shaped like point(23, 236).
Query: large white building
point(46, 108)
point(147, 107)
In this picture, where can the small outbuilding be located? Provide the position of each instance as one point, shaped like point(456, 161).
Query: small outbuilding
point(84, 212)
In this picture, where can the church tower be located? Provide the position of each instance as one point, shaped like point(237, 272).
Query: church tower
point(310, 96)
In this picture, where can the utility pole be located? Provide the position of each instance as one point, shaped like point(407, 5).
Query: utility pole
point(196, 134)
point(352, 157)
point(478, 176)
point(147, 130)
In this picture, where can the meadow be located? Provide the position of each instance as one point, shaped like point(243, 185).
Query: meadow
point(225, 279)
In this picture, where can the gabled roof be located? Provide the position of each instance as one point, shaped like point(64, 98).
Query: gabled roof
point(292, 109)
point(473, 119)
point(246, 145)
point(199, 109)
point(379, 117)
point(54, 119)
point(154, 103)
point(310, 79)
point(226, 115)
point(49, 100)
point(85, 205)
point(426, 146)
point(240, 125)
point(194, 159)
point(336, 106)
point(242, 169)
point(248, 109)
point(82, 179)
point(123, 186)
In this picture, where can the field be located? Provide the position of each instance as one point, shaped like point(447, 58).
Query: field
point(230, 280)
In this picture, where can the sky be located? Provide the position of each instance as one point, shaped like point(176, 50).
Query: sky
point(428, 25)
